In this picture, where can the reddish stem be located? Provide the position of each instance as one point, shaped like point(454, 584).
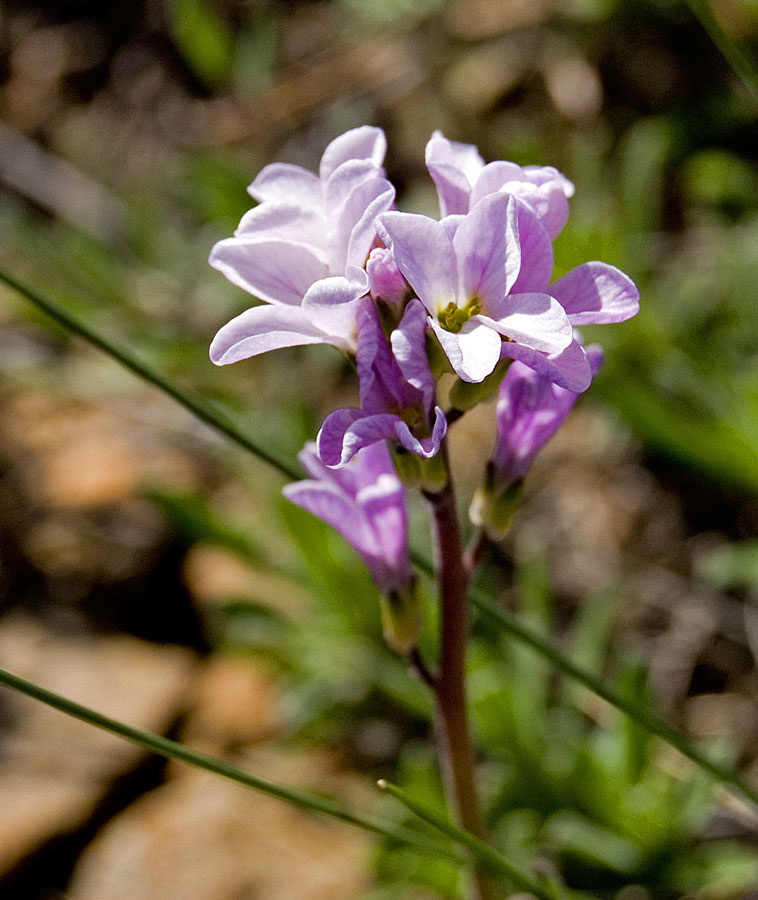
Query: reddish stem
point(455, 745)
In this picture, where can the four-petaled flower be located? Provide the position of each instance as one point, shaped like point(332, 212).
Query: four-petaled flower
point(465, 270)
point(302, 250)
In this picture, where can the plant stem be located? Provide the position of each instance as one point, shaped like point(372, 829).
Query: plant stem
point(454, 735)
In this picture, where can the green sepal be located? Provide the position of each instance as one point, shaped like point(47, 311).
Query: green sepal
point(465, 395)
point(439, 364)
point(418, 472)
point(492, 508)
point(401, 618)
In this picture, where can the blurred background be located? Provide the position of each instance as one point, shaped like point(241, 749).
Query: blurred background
point(152, 571)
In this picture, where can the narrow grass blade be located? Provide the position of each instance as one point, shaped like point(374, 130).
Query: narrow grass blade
point(173, 750)
point(734, 54)
point(640, 714)
point(488, 857)
point(206, 413)
point(500, 617)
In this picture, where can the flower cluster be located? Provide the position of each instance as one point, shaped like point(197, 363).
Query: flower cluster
point(409, 296)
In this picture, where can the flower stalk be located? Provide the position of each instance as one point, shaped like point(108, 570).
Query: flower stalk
point(453, 731)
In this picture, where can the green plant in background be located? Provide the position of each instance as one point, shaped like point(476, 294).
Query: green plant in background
point(570, 783)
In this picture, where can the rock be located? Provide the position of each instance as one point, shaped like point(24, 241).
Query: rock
point(56, 770)
point(234, 701)
point(199, 837)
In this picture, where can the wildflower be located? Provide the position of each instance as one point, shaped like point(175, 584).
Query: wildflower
point(365, 502)
point(397, 392)
point(302, 249)
point(464, 270)
point(530, 409)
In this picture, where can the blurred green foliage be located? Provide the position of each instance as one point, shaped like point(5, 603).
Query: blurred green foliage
point(572, 784)
point(667, 190)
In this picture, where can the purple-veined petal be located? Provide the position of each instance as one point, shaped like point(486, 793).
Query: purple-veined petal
point(530, 410)
point(451, 224)
point(428, 446)
point(549, 202)
point(570, 368)
point(346, 431)
point(374, 462)
point(286, 222)
point(331, 436)
point(360, 214)
point(596, 293)
point(355, 195)
point(383, 504)
point(285, 183)
point(365, 502)
point(454, 168)
point(543, 188)
point(536, 253)
point(536, 320)
point(272, 270)
point(549, 174)
point(327, 502)
point(380, 379)
point(424, 254)
point(332, 305)
point(344, 181)
point(365, 142)
point(348, 478)
point(486, 249)
point(492, 178)
point(264, 328)
point(473, 352)
point(409, 349)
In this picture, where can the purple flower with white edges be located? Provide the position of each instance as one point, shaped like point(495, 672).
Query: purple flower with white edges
point(467, 271)
point(530, 409)
point(592, 293)
point(397, 392)
point(462, 179)
point(365, 502)
point(302, 250)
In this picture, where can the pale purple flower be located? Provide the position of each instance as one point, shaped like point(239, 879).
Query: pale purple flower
point(475, 274)
point(462, 180)
point(530, 409)
point(397, 392)
point(365, 502)
point(302, 250)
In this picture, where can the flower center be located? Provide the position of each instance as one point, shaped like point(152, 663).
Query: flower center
point(454, 317)
point(415, 418)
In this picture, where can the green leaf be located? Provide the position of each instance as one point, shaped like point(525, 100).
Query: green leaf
point(730, 565)
point(205, 41)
